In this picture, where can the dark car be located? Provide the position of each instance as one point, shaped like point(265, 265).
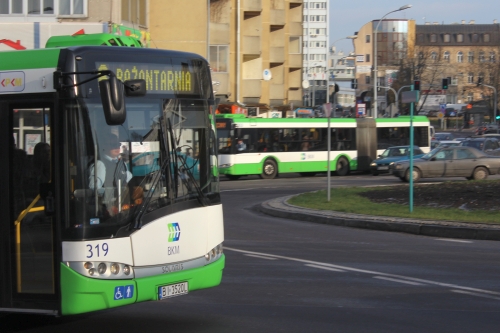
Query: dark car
point(443, 136)
point(488, 145)
point(456, 161)
point(393, 154)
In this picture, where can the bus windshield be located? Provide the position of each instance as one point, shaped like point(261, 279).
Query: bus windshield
point(119, 174)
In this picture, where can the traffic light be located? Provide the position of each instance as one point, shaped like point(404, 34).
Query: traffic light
point(354, 84)
point(445, 84)
point(416, 85)
point(497, 117)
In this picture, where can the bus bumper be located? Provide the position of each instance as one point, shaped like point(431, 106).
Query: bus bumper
point(80, 294)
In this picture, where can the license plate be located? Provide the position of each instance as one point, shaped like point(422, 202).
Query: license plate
point(383, 168)
point(173, 290)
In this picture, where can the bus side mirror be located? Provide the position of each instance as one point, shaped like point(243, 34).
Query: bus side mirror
point(113, 100)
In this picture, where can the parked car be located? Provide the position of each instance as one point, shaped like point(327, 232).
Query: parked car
point(449, 143)
point(486, 128)
point(393, 154)
point(457, 161)
point(443, 136)
point(490, 146)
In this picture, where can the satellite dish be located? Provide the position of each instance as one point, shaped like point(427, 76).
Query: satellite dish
point(266, 75)
point(305, 84)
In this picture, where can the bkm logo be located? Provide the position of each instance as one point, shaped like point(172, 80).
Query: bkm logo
point(174, 232)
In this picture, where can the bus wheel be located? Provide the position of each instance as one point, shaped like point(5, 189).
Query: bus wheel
point(233, 177)
point(342, 168)
point(270, 169)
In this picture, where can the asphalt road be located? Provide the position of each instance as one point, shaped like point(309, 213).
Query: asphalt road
point(292, 276)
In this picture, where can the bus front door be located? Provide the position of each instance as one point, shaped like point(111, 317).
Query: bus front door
point(27, 280)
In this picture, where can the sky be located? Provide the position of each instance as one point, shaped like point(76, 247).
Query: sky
point(347, 17)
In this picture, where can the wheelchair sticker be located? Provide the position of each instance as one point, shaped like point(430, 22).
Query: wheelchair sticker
point(124, 292)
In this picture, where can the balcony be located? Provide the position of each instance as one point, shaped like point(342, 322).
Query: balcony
point(251, 5)
point(295, 28)
point(277, 55)
point(276, 91)
point(251, 45)
point(277, 17)
point(251, 88)
point(295, 60)
point(222, 86)
point(295, 96)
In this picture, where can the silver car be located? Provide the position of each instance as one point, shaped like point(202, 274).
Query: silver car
point(456, 161)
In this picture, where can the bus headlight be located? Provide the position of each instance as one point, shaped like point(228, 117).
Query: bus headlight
point(115, 268)
point(99, 270)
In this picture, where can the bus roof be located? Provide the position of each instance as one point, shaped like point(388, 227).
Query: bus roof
point(92, 39)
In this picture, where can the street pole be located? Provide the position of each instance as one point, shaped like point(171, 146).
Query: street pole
point(375, 58)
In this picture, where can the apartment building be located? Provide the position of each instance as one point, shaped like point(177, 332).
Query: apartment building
point(316, 50)
point(394, 38)
point(465, 53)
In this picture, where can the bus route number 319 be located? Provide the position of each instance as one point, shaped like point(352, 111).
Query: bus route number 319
point(172, 290)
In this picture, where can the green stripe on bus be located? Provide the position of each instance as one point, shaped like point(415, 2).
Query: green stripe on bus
point(29, 59)
point(80, 294)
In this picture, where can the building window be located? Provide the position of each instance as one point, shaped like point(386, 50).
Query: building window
point(218, 58)
point(481, 56)
point(493, 57)
point(11, 7)
point(368, 37)
point(44, 7)
point(134, 11)
point(470, 77)
point(460, 38)
point(470, 97)
point(367, 57)
point(475, 38)
point(470, 57)
point(447, 38)
point(486, 38)
point(434, 56)
point(420, 38)
point(72, 7)
point(446, 56)
point(480, 78)
point(433, 38)
point(367, 80)
point(460, 56)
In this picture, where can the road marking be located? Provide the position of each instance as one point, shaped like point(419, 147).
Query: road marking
point(325, 268)
point(453, 240)
point(246, 189)
point(351, 269)
point(474, 294)
point(397, 280)
point(261, 257)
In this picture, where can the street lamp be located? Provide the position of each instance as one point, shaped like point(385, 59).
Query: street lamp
point(375, 56)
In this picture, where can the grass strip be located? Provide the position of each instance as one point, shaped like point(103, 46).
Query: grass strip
point(348, 200)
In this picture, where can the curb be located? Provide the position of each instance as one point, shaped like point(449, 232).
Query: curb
point(279, 207)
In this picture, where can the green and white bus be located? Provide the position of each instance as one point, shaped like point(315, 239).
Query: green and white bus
point(271, 146)
point(73, 240)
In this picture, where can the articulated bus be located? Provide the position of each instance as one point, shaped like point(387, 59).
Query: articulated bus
point(270, 146)
point(82, 231)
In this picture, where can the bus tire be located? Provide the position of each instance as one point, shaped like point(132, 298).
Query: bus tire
point(342, 168)
point(233, 177)
point(269, 170)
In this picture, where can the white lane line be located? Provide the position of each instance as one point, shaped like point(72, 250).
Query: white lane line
point(261, 257)
point(475, 294)
point(397, 280)
point(453, 240)
point(325, 268)
point(238, 189)
point(441, 284)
